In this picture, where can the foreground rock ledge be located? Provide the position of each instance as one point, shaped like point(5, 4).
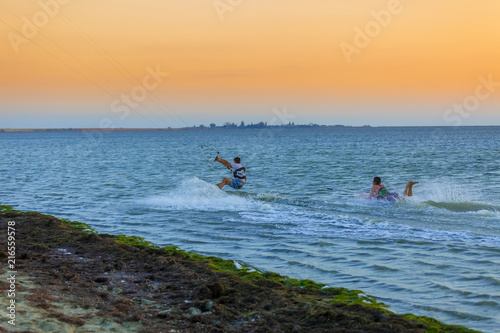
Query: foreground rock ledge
point(70, 279)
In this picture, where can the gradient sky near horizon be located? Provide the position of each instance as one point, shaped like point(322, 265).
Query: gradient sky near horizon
point(72, 63)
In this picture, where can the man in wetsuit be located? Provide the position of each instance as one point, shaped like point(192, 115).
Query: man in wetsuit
point(239, 173)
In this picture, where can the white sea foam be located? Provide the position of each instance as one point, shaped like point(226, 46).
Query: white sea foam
point(488, 213)
point(196, 194)
point(441, 191)
point(453, 197)
point(356, 229)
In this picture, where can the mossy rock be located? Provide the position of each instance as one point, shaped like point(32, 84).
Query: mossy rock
point(79, 225)
point(435, 326)
point(351, 297)
point(6, 209)
point(133, 240)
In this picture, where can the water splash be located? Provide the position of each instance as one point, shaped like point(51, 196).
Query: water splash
point(453, 197)
point(440, 191)
point(196, 194)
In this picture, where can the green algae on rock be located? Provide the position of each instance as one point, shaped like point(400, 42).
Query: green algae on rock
point(79, 225)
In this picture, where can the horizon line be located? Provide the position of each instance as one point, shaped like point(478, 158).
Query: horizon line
point(125, 129)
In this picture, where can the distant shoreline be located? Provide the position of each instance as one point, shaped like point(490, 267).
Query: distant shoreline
point(36, 130)
point(31, 130)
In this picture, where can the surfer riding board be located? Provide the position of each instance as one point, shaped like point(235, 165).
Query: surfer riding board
point(239, 173)
point(379, 191)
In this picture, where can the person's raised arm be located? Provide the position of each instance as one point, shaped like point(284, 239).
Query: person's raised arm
point(223, 162)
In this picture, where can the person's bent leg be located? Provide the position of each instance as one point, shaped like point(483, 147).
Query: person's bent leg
point(409, 189)
point(224, 182)
point(405, 193)
point(221, 184)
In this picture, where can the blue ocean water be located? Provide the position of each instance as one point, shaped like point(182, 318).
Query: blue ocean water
point(434, 254)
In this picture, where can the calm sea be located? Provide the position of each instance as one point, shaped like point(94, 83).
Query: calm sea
point(435, 254)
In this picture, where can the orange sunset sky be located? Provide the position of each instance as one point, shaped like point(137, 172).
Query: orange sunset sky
point(73, 63)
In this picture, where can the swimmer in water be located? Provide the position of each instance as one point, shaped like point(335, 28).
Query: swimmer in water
point(379, 191)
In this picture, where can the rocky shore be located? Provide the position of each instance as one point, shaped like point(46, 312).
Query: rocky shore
point(68, 278)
